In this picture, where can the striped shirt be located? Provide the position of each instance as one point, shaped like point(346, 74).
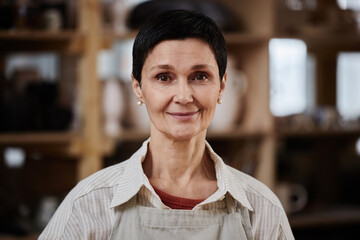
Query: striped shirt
point(88, 211)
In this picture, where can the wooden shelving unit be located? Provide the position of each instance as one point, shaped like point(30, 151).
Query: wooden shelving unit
point(83, 42)
point(324, 146)
point(250, 47)
point(316, 157)
point(88, 144)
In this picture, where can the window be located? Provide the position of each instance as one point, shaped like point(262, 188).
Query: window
point(291, 89)
point(47, 64)
point(351, 5)
point(348, 85)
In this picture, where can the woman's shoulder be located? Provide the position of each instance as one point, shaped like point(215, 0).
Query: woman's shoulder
point(104, 178)
point(254, 189)
point(107, 179)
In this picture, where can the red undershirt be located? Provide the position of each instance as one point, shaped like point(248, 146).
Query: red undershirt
point(177, 202)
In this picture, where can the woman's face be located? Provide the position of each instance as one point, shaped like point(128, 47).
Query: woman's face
point(180, 86)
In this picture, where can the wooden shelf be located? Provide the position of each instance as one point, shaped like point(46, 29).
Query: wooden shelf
point(326, 218)
point(109, 37)
point(64, 41)
point(133, 135)
point(37, 138)
point(38, 35)
point(66, 144)
point(28, 237)
point(234, 134)
point(318, 133)
point(319, 42)
point(240, 38)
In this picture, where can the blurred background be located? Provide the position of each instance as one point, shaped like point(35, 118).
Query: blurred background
point(290, 117)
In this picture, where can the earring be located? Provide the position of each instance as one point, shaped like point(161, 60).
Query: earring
point(139, 103)
point(219, 101)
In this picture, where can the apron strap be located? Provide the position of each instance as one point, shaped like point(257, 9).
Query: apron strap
point(118, 212)
point(233, 207)
point(246, 222)
point(230, 204)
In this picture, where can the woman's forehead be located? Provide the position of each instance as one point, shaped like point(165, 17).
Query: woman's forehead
point(191, 51)
point(186, 42)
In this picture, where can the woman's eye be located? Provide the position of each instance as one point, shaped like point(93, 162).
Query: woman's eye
point(163, 78)
point(200, 76)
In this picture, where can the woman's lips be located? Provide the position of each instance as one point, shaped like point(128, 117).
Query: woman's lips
point(183, 116)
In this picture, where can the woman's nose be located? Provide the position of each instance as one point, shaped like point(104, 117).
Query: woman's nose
point(183, 92)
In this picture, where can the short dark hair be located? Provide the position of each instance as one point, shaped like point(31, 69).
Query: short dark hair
point(178, 25)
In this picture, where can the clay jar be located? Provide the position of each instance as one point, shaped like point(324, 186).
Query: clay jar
point(228, 112)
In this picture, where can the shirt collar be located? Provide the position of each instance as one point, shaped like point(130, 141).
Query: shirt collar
point(228, 180)
point(133, 178)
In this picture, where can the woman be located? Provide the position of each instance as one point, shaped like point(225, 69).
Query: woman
point(174, 186)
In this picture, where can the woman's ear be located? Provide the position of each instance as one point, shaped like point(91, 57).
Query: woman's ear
point(223, 84)
point(137, 89)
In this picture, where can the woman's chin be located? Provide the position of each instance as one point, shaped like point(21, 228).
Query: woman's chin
point(178, 132)
point(183, 135)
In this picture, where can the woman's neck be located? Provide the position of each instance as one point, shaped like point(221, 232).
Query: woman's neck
point(179, 167)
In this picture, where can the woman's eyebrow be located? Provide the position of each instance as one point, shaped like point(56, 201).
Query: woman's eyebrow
point(163, 66)
point(170, 67)
point(201, 66)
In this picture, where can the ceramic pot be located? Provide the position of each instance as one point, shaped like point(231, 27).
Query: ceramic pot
point(227, 113)
point(138, 115)
point(292, 196)
point(113, 107)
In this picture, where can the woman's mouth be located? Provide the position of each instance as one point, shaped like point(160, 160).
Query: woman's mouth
point(183, 116)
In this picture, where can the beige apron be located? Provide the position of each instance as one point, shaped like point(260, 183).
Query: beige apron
point(136, 222)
